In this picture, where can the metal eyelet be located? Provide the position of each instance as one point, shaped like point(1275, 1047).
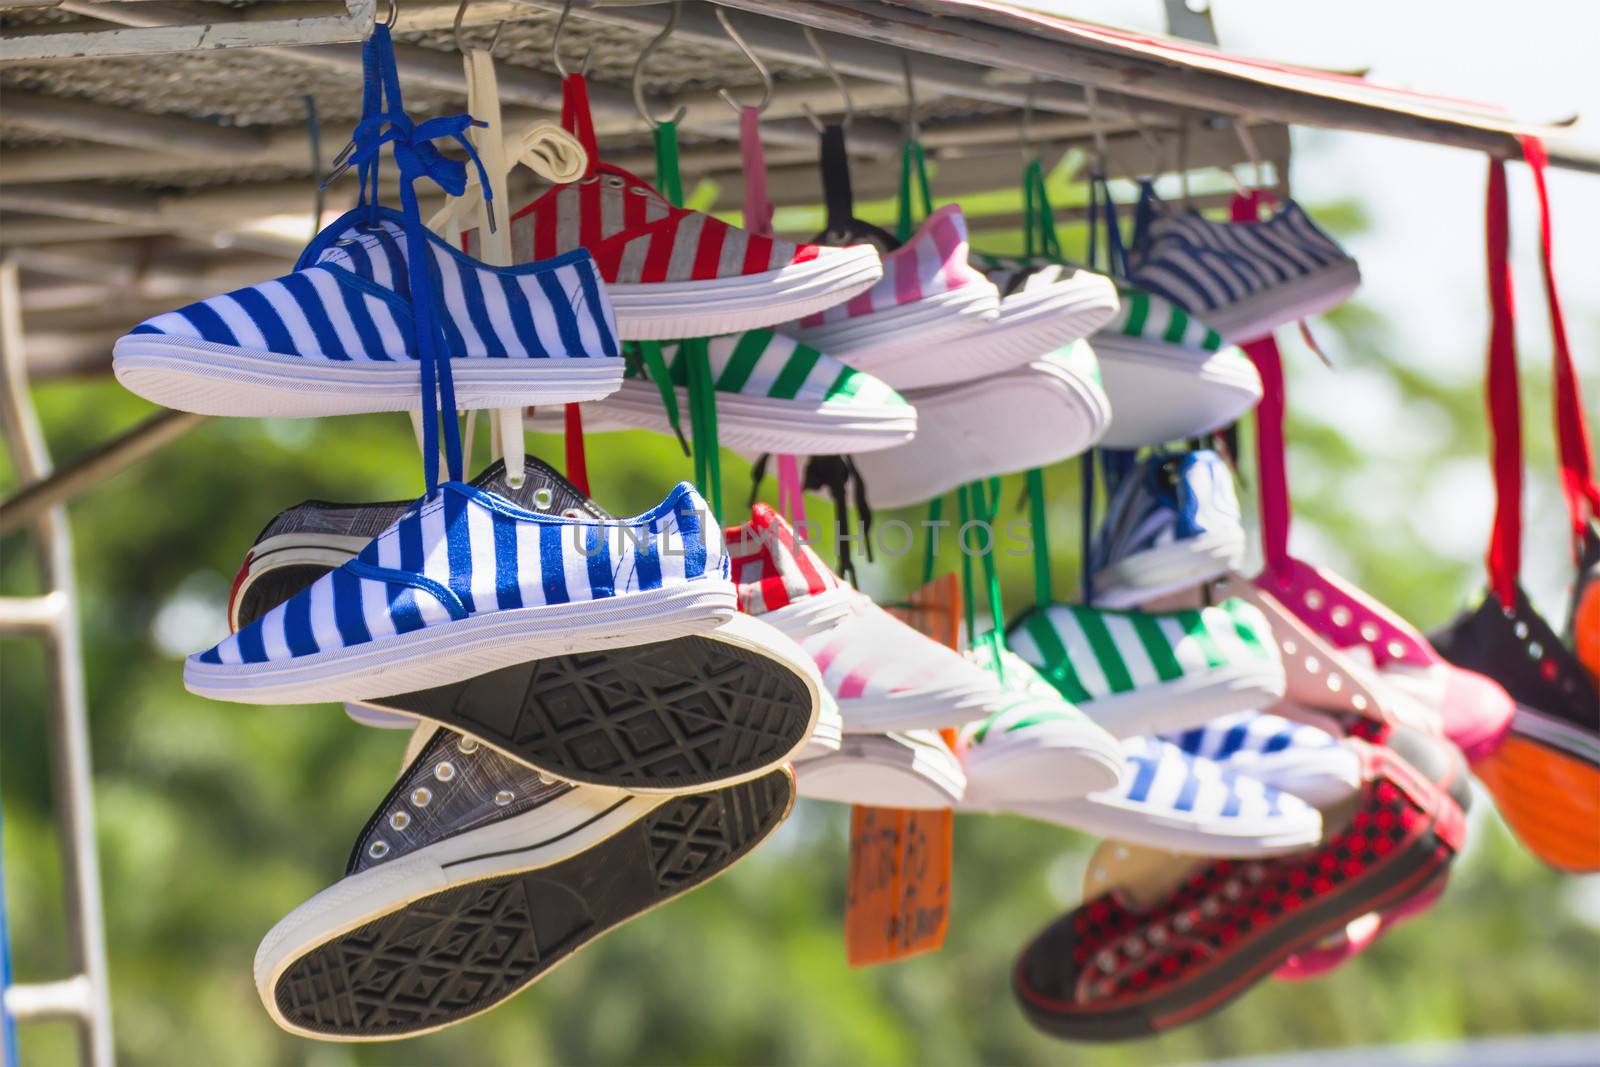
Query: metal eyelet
point(1133, 946)
point(572, 513)
point(1369, 632)
point(399, 821)
point(378, 849)
point(1289, 648)
point(1313, 664)
point(445, 771)
point(1157, 935)
point(638, 190)
point(1254, 873)
point(1211, 908)
point(590, 180)
point(1233, 890)
point(467, 746)
point(1313, 600)
point(614, 182)
point(1340, 615)
point(1183, 923)
point(1396, 649)
point(1335, 683)
point(543, 497)
point(421, 796)
point(504, 797)
point(1106, 960)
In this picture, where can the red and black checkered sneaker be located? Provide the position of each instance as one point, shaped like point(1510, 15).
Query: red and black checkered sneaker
point(1111, 970)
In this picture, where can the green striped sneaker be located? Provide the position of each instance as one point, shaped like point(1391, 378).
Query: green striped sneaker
point(1036, 748)
point(773, 395)
point(1168, 374)
point(1137, 672)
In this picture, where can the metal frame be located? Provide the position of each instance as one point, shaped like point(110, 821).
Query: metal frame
point(303, 24)
point(52, 616)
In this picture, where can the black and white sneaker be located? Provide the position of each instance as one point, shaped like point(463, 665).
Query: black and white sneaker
point(672, 716)
point(477, 876)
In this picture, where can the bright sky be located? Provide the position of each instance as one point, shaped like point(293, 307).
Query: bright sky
point(1422, 262)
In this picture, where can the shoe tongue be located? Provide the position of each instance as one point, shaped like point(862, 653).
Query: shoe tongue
point(543, 489)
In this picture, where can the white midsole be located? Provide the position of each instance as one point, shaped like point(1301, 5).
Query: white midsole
point(225, 380)
point(1162, 392)
point(1189, 701)
point(452, 651)
point(1140, 824)
point(1286, 302)
point(879, 340)
point(1165, 569)
point(659, 311)
point(757, 423)
point(1068, 760)
point(884, 770)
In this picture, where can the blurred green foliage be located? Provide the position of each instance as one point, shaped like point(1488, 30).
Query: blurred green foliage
point(216, 819)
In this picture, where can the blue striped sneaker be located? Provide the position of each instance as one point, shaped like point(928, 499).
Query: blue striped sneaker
point(1172, 522)
point(467, 582)
point(1244, 278)
point(1182, 803)
point(1036, 747)
point(1136, 672)
point(1293, 756)
point(335, 337)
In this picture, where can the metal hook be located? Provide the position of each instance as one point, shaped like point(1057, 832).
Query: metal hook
point(394, 14)
point(755, 60)
point(844, 90)
point(461, 44)
point(638, 72)
point(911, 96)
point(555, 45)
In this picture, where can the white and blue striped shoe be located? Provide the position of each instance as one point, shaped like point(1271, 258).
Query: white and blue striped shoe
point(1243, 278)
point(1295, 757)
point(337, 336)
point(1175, 801)
point(1172, 522)
point(467, 582)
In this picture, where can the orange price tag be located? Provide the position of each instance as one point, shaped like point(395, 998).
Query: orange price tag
point(898, 899)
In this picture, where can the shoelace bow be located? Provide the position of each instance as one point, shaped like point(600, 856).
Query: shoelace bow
point(385, 122)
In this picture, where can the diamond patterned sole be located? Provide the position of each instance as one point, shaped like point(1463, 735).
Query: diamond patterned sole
point(452, 954)
point(672, 715)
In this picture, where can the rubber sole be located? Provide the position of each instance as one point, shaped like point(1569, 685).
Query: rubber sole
point(1166, 569)
point(759, 424)
point(1289, 302)
point(1162, 392)
point(662, 311)
point(1189, 701)
point(453, 954)
point(885, 771)
point(1141, 824)
point(890, 343)
point(214, 379)
point(1323, 915)
point(665, 716)
point(1055, 763)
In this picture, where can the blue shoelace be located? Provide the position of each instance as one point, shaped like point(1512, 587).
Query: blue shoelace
point(385, 122)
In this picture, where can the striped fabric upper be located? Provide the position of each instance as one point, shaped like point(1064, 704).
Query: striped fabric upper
point(1164, 778)
point(1203, 265)
point(1166, 497)
point(1090, 653)
point(1149, 317)
point(468, 551)
point(1030, 701)
point(636, 235)
point(349, 299)
point(771, 566)
point(767, 364)
point(932, 262)
point(1247, 734)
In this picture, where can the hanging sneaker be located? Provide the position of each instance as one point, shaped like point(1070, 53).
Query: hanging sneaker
point(672, 272)
point(1044, 306)
point(929, 296)
point(1172, 522)
point(1169, 376)
point(773, 395)
point(1244, 278)
point(335, 336)
point(1311, 764)
point(913, 769)
point(663, 716)
point(476, 876)
point(1116, 968)
point(1036, 748)
point(1137, 672)
point(1033, 416)
point(1169, 799)
point(884, 674)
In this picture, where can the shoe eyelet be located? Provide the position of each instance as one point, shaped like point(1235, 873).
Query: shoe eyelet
point(543, 497)
point(378, 849)
point(504, 797)
point(590, 180)
point(1157, 936)
point(1233, 890)
point(1396, 649)
point(614, 182)
point(399, 821)
point(1133, 946)
point(1314, 600)
point(421, 796)
point(1183, 923)
point(1340, 616)
point(445, 771)
point(638, 190)
point(1358, 702)
point(1335, 683)
point(1106, 960)
point(1289, 648)
point(572, 513)
point(1211, 908)
point(1313, 664)
point(467, 746)
point(1369, 632)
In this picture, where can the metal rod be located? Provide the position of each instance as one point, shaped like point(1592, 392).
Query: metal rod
point(69, 721)
point(95, 466)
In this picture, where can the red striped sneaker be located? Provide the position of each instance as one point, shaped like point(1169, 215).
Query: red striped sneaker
point(885, 675)
point(671, 272)
point(1115, 968)
point(929, 295)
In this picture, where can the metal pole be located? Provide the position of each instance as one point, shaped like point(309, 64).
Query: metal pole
point(69, 726)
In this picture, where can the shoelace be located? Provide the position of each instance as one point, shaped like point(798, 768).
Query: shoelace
point(385, 122)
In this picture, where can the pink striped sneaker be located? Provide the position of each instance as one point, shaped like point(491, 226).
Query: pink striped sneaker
point(900, 328)
point(885, 675)
point(671, 272)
